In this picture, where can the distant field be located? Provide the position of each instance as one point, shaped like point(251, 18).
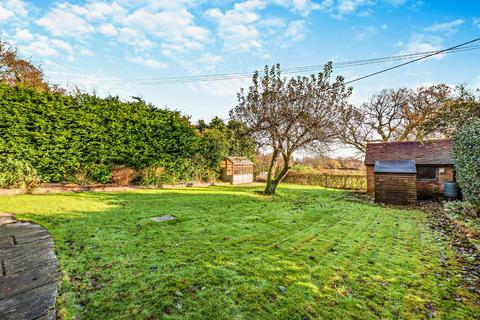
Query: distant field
point(337, 179)
point(306, 253)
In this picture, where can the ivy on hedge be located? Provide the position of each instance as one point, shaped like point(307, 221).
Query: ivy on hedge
point(60, 134)
point(466, 152)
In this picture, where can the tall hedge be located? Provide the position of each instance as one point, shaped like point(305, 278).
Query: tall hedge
point(58, 134)
point(466, 151)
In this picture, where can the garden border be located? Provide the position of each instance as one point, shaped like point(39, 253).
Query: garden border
point(60, 188)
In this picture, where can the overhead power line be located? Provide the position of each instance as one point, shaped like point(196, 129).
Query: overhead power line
point(412, 61)
point(302, 69)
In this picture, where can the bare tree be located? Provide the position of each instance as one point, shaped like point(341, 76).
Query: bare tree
point(392, 115)
point(290, 115)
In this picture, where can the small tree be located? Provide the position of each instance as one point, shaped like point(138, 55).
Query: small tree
point(17, 71)
point(290, 115)
point(466, 152)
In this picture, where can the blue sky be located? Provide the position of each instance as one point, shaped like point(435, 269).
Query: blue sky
point(104, 45)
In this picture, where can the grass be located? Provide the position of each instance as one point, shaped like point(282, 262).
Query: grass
point(306, 253)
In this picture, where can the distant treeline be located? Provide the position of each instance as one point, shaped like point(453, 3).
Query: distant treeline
point(60, 135)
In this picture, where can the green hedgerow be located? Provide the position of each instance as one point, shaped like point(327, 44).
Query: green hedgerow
point(466, 152)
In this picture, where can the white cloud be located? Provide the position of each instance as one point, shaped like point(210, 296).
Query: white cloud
point(5, 14)
point(23, 35)
point(40, 48)
point(18, 7)
point(134, 37)
point(87, 52)
point(304, 7)
point(107, 29)
point(151, 63)
point(295, 31)
point(102, 11)
point(61, 45)
point(210, 61)
point(176, 27)
point(274, 22)
point(63, 21)
point(365, 33)
point(422, 43)
point(237, 27)
point(449, 27)
point(476, 22)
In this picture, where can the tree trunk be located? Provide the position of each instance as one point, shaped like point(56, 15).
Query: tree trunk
point(272, 182)
point(270, 187)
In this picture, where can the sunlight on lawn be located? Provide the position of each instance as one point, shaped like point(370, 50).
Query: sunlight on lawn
point(233, 253)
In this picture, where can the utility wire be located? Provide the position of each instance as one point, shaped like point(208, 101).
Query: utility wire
point(301, 69)
point(412, 61)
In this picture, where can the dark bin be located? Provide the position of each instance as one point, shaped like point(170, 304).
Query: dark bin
point(451, 191)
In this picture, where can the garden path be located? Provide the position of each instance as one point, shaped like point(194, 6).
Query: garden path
point(28, 271)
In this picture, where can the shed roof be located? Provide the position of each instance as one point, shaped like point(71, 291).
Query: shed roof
point(431, 152)
point(395, 166)
point(240, 160)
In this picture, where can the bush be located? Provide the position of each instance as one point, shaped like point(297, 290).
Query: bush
point(466, 153)
point(122, 175)
point(17, 174)
point(80, 176)
point(100, 173)
point(156, 175)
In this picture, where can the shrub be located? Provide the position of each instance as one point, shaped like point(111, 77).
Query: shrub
point(80, 176)
point(17, 174)
point(122, 175)
point(156, 175)
point(466, 152)
point(100, 173)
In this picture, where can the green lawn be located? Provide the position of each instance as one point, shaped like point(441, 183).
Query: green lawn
point(306, 253)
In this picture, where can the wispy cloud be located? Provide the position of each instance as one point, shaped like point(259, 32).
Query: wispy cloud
point(151, 63)
point(365, 33)
point(422, 43)
point(476, 22)
point(449, 27)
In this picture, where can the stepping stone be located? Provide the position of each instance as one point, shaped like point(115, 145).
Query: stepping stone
point(163, 218)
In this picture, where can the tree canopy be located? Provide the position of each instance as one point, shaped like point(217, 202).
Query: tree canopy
point(291, 115)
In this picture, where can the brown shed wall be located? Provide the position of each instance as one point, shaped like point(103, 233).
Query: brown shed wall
point(370, 179)
point(393, 188)
point(425, 189)
point(434, 189)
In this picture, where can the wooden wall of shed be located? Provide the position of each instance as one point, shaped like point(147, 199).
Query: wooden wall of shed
point(394, 188)
point(370, 179)
point(425, 189)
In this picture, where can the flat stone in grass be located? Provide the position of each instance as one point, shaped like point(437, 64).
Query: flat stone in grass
point(163, 218)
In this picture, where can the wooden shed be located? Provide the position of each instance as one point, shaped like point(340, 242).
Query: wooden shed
point(396, 182)
point(237, 170)
point(433, 159)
